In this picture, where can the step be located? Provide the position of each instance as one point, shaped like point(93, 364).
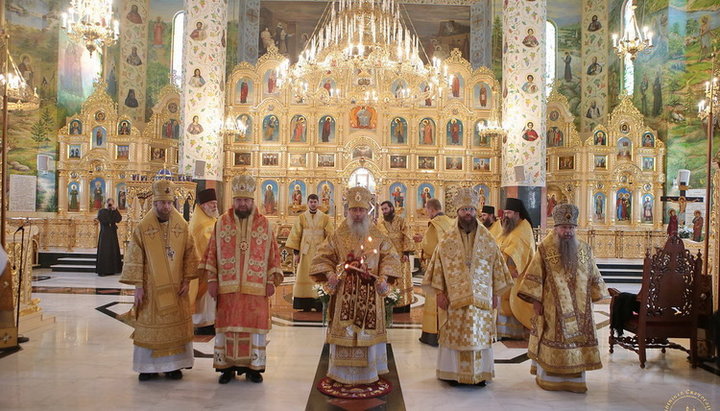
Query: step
point(72, 268)
point(612, 279)
point(76, 261)
point(619, 266)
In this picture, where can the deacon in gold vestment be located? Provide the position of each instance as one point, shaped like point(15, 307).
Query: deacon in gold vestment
point(468, 273)
point(201, 227)
point(561, 283)
point(517, 244)
point(309, 231)
point(160, 262)
point(355, 265)
point(394, 227)
point(438, 226)
point(243, 265)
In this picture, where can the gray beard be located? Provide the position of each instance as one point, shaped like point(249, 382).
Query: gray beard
point(508, 225)
point(361, 229)
point(568, 249)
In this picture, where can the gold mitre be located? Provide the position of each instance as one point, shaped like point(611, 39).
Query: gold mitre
point(565, 214)
point(163, 190)
point(243, 186)
point(466, 197)
point(359, 197)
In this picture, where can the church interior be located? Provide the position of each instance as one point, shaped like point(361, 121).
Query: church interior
point(610, 105)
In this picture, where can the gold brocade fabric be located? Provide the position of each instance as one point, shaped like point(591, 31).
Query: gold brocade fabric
point(496, 229)
point(518, 246)
point(563, 340)
point(159, 257)
point(469, 276)
point(437, 228)
point(353, 305)
point(200, 227)
point(306, 236)
point(397, 232)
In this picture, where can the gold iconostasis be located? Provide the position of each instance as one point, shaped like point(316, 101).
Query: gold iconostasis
point(404, 145)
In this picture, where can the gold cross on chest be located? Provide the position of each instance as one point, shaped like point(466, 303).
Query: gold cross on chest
point(177, 230)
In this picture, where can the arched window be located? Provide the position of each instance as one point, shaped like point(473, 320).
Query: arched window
point(628, 66)
point(176, 53)
point(550, 55)
point(362, 177)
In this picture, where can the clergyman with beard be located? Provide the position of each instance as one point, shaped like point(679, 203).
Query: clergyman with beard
point(490, 221)
point(467, 273)
point(356, 265)
point(201, 227)
point(160, 261)
point(395, 228)
point(562, 282)
point(517, 244)
point(243, 268)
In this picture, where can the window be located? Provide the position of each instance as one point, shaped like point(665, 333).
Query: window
point(176, 54)
point(628, 66)
point(362, 177)
point(550, 55)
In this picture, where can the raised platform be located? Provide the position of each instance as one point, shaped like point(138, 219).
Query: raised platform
point(621, 271)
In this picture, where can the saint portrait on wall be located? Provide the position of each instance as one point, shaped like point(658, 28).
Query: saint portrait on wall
point(600, 162)
point(297, 195)
point(555, 137)
point(121, 195)
point(133, 58)
point(530, 86)
point(197, 79)
point(594, 24)
point(599, 207)
point(157, 154)
point(398, 161)
point(123, 152)
point(426, 93)
point(398, 194)
point(481, 164)
point(594, 67)
point(298, 127)
point(647, 208)
point(97, 193)
point(198, 32)
point(530, 40)
point(426, 131)
point(131, 100)
point(326, 195)
point(425, 192)
point(75, 127)
point(426, 163)
point(482, 95)
point(623, 205)
point(624, 149)
point(398, 131)
point(600, 138)
point(270, 82)
point(363, 117)
point(529, 133)
point(171, 129)
point(73, 197)
point(124, 128)
point(456, 85)
point(326, 129)
point(271, 128)
point(648, 140)
point(99, 137)
point(133, 15)
point(195, 127)
point(454, 132)
point(453, 163)
point(244, 91)
point(74, 151)
point(244, 128)
point(270, 197)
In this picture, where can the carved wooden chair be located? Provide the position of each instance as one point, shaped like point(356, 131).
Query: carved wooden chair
point(668, 303)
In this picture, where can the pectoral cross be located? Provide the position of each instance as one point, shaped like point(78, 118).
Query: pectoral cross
point(170, 252)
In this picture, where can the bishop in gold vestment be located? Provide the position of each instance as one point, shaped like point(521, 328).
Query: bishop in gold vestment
point(438, 226)
point(356, 331)
point(517, 243)
point(468, 273)
point(561, 283)
point(160, 261)
point(309, 231)
point(201, 227)
point(394, 227)
point(243, 265)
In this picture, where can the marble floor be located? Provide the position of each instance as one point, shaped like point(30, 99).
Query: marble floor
point(84, 361)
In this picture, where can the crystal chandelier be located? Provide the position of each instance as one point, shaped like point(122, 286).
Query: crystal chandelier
point(91, 22)
point(633, 40)
point(366, 42)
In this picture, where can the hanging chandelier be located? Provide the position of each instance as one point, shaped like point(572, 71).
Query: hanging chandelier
point(633, 40)
point(91, 22)
point(367, 43)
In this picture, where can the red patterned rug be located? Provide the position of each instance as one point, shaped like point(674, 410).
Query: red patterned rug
point(330, 387)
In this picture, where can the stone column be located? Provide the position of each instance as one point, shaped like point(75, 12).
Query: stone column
point(594, 72)
point(245, 18)
point(481, 34)
point(524, 104)
point(133, 59)
point(203, 90)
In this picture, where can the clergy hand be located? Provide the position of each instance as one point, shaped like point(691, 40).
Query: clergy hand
point(296, 259)
point(139, 295)
point(404, 258)
point(417, 238)
point(538, 308)
point(184, 288)
point(213, 288)
point(442, 301)
point(269, 289)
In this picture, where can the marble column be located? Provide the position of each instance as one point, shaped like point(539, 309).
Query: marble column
point(133, 59)
point(594, 101)
point(481, 34)
point(524, 104)
point(246, 15)
point(203, 106)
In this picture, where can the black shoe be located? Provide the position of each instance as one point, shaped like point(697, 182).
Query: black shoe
point(145, 376)
point(254, 376)
point(226, 377)
point(174, 375)
point(480, 384)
